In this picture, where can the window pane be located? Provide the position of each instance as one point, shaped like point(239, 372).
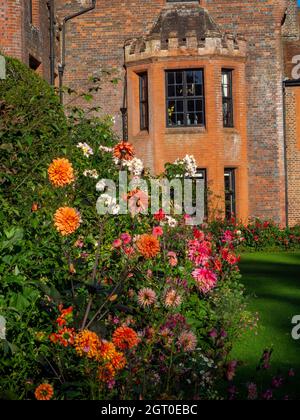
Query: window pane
point(190, 77)
point(179, 77)
point(198, 90)
point(182, 90)
point(199, 119)
point(171, 91)
point(171, 78)
point(179, 90)
point(144, 107)
point(198, 77)
point(191, 90)
point(180, 119)
point(199, 105)
point(179, 106)
point(227, 98)
point(191, 106)
point(230, 193)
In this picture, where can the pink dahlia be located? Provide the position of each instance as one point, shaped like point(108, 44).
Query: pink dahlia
point(157, 231)
point(187, 341)
point(199, 251)
point(117, 243)
point(126, 238)
point(172, 257)
point(172, 298)
point(228, 236)
point(206, 279)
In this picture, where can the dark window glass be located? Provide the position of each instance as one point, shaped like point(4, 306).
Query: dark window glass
point(34, 64)
point(144, 103)
point(230, 193)
point(227, 98)
point(185, 98)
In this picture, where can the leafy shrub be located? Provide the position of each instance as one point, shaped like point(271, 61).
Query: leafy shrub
point(32, 128)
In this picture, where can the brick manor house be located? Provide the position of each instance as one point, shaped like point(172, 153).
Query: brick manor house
point(218, 79)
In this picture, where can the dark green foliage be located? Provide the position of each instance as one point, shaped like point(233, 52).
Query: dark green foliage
point(32, 129)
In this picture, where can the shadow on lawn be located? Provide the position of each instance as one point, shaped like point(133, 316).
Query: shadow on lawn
point(273, 283)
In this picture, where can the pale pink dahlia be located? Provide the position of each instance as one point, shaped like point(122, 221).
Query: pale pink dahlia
point(172, 298)
point(146, 297)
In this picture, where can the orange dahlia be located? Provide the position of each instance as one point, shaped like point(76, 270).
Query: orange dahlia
point(124, 151)
point(106, 373)
point(87, 343)
point(118, 361)
point(148, 246)
point(66, 220)
point(125, 338)
point(107, 351)
point(44, 392)
point(61, 172)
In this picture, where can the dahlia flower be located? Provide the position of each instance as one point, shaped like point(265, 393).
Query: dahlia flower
point(206, 279)
point(157, 231)
point(187, 341)
point(61, 172)
point(172, 257)
point(124, 151)
point(172, 298)
point(125, 338)
point(44, 392)
point(67, 220)
point(148, 246)
point(146, 297)
point(87, 343)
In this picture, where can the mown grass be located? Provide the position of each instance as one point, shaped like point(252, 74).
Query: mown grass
point(273, 282)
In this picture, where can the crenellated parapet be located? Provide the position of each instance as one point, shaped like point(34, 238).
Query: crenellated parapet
point(145, 49)
point(185, 32)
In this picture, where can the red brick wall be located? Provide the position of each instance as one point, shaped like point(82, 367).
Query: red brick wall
point(293, 152)
point(11, 28)
point(96, 40)
point(260, 24)
point(20, 39)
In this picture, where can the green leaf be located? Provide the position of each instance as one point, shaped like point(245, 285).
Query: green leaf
point(16, 271)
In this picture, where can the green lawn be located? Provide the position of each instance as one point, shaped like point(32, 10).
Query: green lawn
point(273, 282)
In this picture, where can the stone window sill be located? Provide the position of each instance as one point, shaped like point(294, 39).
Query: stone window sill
point(186, 130)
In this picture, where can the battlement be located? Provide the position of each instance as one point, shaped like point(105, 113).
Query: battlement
point(213, 44)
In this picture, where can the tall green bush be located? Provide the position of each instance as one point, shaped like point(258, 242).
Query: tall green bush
point(32, 128)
